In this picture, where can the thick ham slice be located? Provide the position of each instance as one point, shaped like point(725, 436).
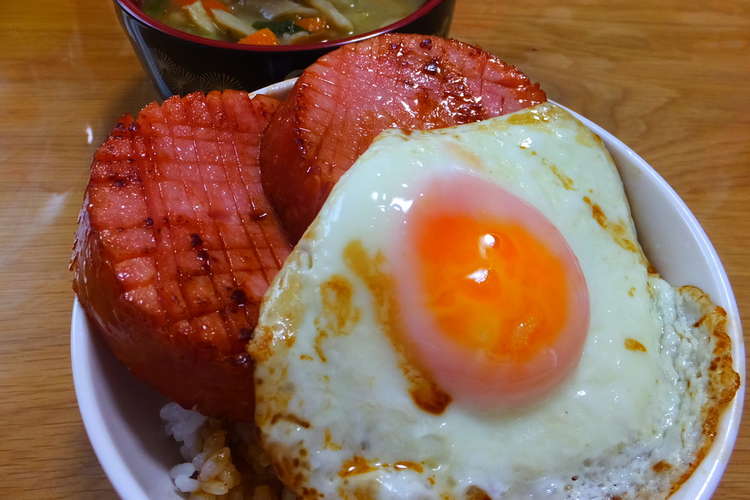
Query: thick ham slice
point(177, 244)
point(348, 96)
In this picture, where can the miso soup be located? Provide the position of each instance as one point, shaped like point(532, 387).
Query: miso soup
point(275, 22)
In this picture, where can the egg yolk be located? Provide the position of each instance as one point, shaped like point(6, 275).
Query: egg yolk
point(495, 304)
point(492, 286)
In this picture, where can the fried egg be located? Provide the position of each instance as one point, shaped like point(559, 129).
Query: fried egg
point(471, 316)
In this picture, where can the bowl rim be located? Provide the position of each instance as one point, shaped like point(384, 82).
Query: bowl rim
point(135, 11)
point(722, 447)
point(700, 485)
point(110, 457)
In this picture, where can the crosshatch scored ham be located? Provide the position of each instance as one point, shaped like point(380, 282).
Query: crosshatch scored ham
point(348, 96)
point(177, 241)
point(177, 244)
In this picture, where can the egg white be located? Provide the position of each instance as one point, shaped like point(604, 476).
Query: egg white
point(331, 391)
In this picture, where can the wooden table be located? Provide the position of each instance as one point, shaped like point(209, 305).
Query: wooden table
point(671, 80)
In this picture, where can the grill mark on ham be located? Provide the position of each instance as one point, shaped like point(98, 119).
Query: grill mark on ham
point(277, 248)
point(170, 259)
point(348, 96)
point(224, 304)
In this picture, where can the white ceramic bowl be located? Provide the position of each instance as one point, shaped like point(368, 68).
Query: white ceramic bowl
point(121, 414)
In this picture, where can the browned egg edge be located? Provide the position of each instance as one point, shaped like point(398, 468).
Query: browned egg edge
point(291, 462)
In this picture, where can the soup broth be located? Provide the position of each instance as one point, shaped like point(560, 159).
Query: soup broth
point(274, 22)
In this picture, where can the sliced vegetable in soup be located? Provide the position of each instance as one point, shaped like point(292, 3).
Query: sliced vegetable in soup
point(278, 22)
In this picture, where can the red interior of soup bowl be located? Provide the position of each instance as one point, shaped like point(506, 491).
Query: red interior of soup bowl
point(134, 8)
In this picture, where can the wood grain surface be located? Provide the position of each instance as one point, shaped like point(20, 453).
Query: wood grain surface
point(670, 78)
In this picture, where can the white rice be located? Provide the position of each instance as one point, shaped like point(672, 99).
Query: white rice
point(210, 471)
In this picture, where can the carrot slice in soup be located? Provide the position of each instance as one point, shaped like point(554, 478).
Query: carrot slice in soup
point(214, 4)
point(312, 24)
point(260, 37)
